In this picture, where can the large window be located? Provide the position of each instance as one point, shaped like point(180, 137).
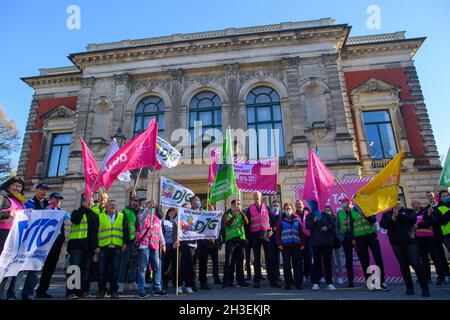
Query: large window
point(59, 155)
point(205, 107)
point(147, 109)
point(380, 136)
point(264, 123)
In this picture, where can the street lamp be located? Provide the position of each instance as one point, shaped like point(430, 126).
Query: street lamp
point(120, 137)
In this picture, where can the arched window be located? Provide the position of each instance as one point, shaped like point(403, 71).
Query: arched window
point(205, 107)
point(148, 108)
point(264, 123)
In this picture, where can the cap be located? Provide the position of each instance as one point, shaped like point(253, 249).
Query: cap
point(42, 186)
point(56, 195)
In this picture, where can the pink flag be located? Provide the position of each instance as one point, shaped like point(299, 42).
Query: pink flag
point(137, 153)
point(90, 170)
point(214, 158)
point(318, 181)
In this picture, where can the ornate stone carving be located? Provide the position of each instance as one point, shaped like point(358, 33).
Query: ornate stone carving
point(290, 62)
point(375, 85)
point(87, 82)
point(59, 112)
point(176, 74)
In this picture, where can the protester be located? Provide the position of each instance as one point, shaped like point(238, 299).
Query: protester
point(274, 251)
point(302, 213)
point(322, 242)
point(100, 207)
point(37, 203)
point(187, 249)
point(442, 212)
point(426, 242)
point(12, 200)
point(399, 224)
point(291, 240)
point(150, 240)
point(82, 244)
point(169, 257)
point(338, 238)
point(259, 234)
point(55, 201)
point(127, 260)
point(359, 232)
point(235, 221)
point(437, 232)
point(113, 239)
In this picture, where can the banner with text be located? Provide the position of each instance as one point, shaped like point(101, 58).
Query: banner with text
point(174, 194)
point(198, 225)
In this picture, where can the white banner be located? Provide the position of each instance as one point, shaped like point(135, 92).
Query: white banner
point(198, 225)
point(173, 194)
point(30, 240)
point(166, 154)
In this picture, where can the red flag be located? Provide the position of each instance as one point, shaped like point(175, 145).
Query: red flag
point(137, 153)
point(90, 170)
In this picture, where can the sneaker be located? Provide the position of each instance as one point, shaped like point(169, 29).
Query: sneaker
point(160, 293)
point(340, 281)
point(43, 295)
point(72, 296)
point(180, 290)
point(315, 287)
point(194, 288)
point(189, 290)
point(384, 287)
point(84, 295)
point(243, 285)
point(331, 287)
point(142, 295)
point(120, 290)
point(322, 280)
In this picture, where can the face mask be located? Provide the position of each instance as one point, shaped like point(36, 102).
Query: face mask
point(328, 212)
point(275, 209)
point(445, 200)
point(288, 213)
point(344, 205)
point(198, 204)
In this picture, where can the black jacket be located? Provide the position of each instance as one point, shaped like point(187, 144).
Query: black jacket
point(401, 231)
point(319, 237)
point(443, 219)
point(91, 242)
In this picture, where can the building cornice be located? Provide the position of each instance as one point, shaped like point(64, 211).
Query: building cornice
point(334, 33)
point(64, 76)
point(382, 47)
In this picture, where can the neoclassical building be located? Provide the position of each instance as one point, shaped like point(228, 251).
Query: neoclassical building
point(358, 98)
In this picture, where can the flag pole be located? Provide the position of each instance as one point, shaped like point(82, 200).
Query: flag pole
point(343, 190)
point(178, 253)
point(137, 180)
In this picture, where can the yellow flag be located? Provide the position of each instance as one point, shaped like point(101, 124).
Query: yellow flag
point(381, 193)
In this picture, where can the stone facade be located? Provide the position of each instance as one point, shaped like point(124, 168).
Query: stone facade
point(324, 78)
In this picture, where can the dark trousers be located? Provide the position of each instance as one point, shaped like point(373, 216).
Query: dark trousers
point(234, 261)
point(256, 248)
point(248, 252)
point(427, 246)
point(82, 259)
point(442, 257)
point(408, 255)
point(322, 255)
point(109, 260)
point(347, 245)
point(187, 265)
point(447, 241)
point(50, 265)
point(204, 251)
point(363, 244)
point(307, 259)
point(275, 253)
point(292, 259)
point(169, 261)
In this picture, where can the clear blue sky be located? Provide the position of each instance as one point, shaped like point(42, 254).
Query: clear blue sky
point(33, 35)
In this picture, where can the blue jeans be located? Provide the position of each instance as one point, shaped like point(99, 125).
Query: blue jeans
point(124, 262)
point(82, 259)
point(144, 256)
point(30, 283)
point(109, 260)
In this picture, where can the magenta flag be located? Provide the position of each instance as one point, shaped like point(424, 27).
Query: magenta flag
point(258, 175)
point(137, 153)
point(90, 170)
point(318, 181)
point(214, 158)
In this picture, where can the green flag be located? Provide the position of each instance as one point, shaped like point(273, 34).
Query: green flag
point(225, 181)
point(445, 175)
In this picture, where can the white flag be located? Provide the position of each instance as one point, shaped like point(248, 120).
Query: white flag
point(166, 154)
point(174, 194)
point(30, 240)
point(113, 148)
